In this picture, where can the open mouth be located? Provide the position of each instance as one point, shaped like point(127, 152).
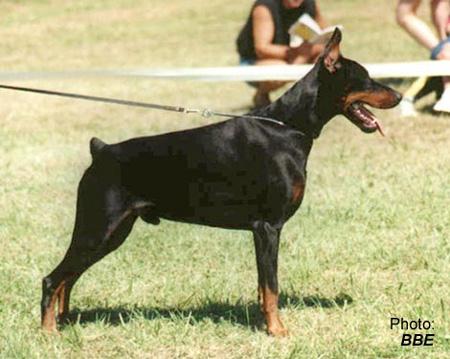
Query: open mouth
point(363, 118)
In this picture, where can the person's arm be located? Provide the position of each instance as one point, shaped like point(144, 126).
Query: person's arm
point(263, 34)
point(319, 18)
point(440, 12)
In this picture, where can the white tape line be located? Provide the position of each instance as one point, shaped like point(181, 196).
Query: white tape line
point(294, 72)
point(243, 73)
point(69, 74)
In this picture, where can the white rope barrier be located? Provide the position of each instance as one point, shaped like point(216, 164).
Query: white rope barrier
point(240, 73)
point(293, 72)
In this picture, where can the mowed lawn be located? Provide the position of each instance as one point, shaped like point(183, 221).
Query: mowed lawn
point(370, 242)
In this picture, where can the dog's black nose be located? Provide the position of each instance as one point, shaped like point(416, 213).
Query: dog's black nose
point(398, 96)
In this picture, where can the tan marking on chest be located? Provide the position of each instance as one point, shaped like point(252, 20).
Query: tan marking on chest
point(298, 189)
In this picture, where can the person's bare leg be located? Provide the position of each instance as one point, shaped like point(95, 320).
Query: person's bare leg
point(261, 97)
point(419, 30)
point(445, 55)
point(440, 12)
point(305, 53)
point(443, 104)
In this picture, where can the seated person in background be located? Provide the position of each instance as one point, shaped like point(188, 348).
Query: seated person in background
point(264, 40)
point(438, 46)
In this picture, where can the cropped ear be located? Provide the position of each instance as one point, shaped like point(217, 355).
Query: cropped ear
point(332, 52)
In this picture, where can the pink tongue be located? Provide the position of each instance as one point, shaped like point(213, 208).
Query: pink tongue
point(366, 113)
point(379, 127)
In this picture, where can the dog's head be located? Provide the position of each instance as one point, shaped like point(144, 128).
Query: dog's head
point(346, 87)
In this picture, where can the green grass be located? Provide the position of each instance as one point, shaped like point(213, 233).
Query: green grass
point(371, 240)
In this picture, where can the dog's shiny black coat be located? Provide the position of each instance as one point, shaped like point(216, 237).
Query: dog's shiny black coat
point(229, 174)
point(242, 173)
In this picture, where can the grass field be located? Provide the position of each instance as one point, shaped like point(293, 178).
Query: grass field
point(370, 242)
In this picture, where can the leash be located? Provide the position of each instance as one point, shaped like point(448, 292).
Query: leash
point(203, 112)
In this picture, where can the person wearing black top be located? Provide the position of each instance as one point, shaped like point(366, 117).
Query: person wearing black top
point(264, 39)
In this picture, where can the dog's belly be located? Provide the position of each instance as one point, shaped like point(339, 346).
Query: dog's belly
point(222, 204)
point(228, 204)
point(231, 217)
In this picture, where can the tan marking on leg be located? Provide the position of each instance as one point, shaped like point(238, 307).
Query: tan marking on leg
point(66, 304)
point(61, 299)
point(64, 301)
point(261, 298)
point(274, 325)
point(49, 320)
point(64, 298)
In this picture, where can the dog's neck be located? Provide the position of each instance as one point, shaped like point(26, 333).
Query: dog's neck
point(303, 107)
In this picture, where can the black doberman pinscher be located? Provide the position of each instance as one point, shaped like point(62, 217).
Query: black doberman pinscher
point(242, 173)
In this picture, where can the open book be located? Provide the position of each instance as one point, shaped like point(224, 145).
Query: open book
point(309, 30)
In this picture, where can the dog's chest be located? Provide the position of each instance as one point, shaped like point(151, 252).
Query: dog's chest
point(297, 191)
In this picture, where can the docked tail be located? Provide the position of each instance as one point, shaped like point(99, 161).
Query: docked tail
point(96, 145)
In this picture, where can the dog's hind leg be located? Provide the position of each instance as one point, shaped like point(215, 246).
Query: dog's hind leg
point(105, 217)
point(267, 239)
point(64, 298)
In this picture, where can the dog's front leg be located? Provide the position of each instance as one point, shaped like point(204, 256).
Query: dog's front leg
point(267, 239)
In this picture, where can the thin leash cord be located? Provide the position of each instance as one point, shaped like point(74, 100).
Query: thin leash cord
point(203, 112)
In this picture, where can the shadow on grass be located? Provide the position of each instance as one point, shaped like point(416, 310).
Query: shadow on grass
point(248, 315)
